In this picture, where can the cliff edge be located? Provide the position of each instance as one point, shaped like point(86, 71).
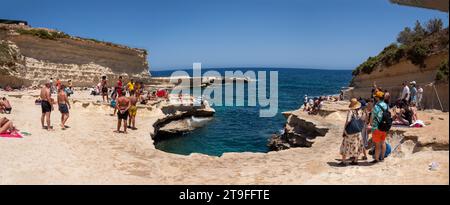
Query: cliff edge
point(30, 56)
point(420, 54)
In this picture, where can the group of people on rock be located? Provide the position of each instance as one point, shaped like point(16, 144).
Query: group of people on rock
point(375, 116)
point(313, 105)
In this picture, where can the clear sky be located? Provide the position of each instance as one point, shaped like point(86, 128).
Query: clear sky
point(329, 34)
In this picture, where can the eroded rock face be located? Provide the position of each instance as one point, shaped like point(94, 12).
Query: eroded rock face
point(80, 60)
point(298, 132)
point(392, 77)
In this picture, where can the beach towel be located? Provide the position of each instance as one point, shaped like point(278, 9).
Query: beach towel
point(417, 124)
point(14, 134)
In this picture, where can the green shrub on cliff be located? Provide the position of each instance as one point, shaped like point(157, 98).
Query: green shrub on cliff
point(44, 34)
point(413, 44)
point(417, 53)
point(442, 74)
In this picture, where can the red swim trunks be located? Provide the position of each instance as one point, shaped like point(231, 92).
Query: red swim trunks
point(378, 136)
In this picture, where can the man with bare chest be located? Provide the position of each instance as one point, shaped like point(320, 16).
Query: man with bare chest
point(46, 106)
point(63, 106)
point(123, 105)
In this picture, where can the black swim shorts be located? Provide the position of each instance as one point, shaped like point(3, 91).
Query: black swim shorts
point(46, 107)
point(63, 108)
point(122, 116)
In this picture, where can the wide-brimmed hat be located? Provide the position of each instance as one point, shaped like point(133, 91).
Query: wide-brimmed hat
point(378, 94)
point(354, 104)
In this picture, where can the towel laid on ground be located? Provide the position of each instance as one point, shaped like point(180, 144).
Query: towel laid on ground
point(13, 134)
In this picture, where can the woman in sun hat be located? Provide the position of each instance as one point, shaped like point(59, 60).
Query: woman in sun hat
point(352, 145)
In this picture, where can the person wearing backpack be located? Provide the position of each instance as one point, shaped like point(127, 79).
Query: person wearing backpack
point(381, 123)
point(352, 145)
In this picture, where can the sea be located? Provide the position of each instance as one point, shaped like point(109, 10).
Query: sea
point(240, 128)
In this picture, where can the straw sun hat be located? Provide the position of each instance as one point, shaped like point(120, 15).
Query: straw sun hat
point(354, 104)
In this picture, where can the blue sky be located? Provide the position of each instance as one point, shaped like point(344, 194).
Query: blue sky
point(328, 34)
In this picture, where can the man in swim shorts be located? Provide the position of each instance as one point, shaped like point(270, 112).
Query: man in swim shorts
point(132, 111)
point(63, 105)
point(46, 106)
point(123, 105)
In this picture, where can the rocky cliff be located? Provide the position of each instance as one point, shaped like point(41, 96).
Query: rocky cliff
point(419, 55)
point(30, 56)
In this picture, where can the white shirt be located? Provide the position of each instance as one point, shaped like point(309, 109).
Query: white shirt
point(405, 92)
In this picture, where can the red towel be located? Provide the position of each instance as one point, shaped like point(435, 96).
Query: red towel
point(14, 134)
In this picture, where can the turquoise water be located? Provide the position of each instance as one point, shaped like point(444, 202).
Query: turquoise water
point(240, 129)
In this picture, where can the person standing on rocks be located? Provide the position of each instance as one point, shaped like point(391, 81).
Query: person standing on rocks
point(133, 110)
point(413, 89)
point(130, 86)
point(63, 106)
point(378, 134)
point(104, 89)
point(46, 106)
point(123, 105)
point(419, 97)
point(405, 93)
point(119, 86)
point(352, 144)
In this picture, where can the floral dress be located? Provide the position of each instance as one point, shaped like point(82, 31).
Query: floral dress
point(352, 145)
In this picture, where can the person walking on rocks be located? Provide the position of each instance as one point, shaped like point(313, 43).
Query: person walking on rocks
point(352, 144)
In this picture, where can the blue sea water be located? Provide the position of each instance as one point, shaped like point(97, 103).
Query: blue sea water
point(240, 129)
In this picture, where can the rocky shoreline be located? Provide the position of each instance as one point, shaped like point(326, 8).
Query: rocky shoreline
point(90, 153)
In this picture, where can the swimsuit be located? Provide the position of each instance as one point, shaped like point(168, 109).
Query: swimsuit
point(63, 108)
point(122, 116)
point(46, 107)
point(133, 111)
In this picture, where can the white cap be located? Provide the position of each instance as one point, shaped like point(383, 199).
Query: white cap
point(413, 82)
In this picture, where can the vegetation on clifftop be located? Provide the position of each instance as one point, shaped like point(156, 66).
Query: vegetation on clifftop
point(44, 34)
point(55, 35)
point(413, 44)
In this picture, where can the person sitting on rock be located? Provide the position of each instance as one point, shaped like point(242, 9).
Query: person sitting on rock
point(5, 106)
point(6, 125)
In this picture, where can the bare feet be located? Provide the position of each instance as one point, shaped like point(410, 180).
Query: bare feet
point(117, 131)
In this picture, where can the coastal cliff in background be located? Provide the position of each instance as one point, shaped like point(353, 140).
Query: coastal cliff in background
point(30, 56)
point(421, 55)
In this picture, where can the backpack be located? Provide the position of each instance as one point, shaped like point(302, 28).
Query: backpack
point(385, 123)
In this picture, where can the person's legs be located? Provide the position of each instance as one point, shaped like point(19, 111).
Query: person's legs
point(125, 126)
point(119, 122)
point(47, 115)
point(6, 126)
point(383, 150)
point(42, 120)
point(62, 120)
point(134, 122)
point(66, 116)
point(129, 120)
point(377, 151)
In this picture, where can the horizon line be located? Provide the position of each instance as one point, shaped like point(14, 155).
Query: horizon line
point(248, 67)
